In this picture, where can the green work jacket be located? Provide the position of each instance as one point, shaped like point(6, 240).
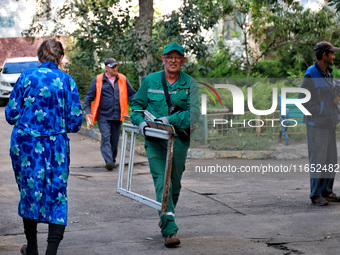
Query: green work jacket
point(151, 97)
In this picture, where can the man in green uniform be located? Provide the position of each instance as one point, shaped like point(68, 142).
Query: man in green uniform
point(183, 91)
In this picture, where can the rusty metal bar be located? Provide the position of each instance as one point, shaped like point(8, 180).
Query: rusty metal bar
point(168, 168)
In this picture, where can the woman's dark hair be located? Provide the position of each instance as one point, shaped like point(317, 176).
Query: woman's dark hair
point(50, 50)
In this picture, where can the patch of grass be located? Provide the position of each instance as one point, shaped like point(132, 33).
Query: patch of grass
point(242, 141)
point(196, 143)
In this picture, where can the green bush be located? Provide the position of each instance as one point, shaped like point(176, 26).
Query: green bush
point(129, 70)
point(82, 75)
point(221, 64)
point(269, 68)
point(336, 73)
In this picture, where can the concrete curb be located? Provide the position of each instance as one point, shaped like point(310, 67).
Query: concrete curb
point(289, 153)
point(214, 154)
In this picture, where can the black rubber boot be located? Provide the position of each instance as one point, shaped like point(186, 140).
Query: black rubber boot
point(55, 235)
point(30, 227)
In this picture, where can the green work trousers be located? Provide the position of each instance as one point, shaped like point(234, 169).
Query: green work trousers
point(156, 152)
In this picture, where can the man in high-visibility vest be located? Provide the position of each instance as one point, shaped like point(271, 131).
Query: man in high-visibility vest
point(107, 102)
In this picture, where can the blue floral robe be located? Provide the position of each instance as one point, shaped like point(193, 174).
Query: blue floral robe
point(44, 105)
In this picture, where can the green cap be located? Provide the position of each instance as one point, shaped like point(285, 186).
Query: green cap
point(174, 46)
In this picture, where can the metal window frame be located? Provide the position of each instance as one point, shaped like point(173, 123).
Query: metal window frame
point(153, 132)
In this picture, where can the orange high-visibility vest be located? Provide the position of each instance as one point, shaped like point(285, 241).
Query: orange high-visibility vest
point(123, 96)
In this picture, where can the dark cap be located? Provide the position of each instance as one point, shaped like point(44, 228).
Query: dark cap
point(110, 62)
point(174, 46)
point(325, 46)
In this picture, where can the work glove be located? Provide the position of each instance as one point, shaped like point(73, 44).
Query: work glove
point(141, 128)
point(164, 120)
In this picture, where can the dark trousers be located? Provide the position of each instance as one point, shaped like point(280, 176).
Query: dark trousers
point(110, 131)
point(55, 235)
point(323, 157)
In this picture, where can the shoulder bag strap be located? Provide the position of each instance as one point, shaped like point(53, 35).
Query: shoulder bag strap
point(165, 88)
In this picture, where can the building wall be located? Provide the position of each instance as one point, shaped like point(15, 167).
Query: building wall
point(15, 17)
point(21, 47)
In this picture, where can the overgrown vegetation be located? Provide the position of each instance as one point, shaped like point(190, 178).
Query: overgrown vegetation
point(242, 141)
point(277, 37)
point(276, 40)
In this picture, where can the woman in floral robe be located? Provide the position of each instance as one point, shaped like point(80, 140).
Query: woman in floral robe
point(43, 107)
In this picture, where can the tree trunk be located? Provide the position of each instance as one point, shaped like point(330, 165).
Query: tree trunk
point(143, 28)
point(95, 56)
point(145, 19)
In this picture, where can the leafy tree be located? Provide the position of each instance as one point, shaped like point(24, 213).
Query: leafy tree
point(270, 26)
point(189, 24)
point(106, 29)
